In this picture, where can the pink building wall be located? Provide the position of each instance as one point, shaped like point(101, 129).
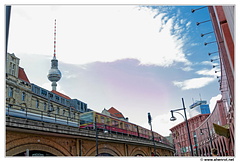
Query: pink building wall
point(180, 136)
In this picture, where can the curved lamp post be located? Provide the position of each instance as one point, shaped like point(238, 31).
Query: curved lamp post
point(173, 118)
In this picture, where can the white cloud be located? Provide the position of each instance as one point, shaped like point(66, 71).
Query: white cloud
point(188, 24)
point(207, 72)
point(194, 44)
point(187, 68)
point(208, 63)
point(213, 101)
point(194, 83)
point(98, 33)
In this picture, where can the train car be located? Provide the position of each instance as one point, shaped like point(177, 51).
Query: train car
point(88, 120)
point(39, 117)
point(92, 119)
point(143, 132)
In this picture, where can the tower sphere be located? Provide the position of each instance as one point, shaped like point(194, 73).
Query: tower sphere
point(54, 75)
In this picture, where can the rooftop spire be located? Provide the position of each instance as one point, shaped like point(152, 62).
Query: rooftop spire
point(54, 55)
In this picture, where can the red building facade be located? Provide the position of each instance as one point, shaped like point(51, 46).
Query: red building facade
point(207, 138)
point(180, 135)
point(223, 23)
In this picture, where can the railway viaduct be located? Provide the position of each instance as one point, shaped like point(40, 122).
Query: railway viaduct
point(28, 137)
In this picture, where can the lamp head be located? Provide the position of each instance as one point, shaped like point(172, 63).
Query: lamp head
point(173, 118)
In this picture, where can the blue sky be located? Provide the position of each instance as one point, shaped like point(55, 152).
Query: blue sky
point(138, 59)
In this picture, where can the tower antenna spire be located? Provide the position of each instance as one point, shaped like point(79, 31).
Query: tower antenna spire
point(55, 25)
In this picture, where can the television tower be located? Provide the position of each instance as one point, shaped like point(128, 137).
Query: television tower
point(54, 75)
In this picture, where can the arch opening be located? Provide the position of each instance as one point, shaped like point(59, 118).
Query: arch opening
point(104, 154)
point(35, 153)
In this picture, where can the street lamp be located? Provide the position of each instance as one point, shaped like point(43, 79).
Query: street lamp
point(173, 118)
point(150, 123)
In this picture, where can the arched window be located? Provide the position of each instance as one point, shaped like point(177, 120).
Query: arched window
point(10, 92)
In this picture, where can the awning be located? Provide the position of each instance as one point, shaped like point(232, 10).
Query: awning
point(222, 130)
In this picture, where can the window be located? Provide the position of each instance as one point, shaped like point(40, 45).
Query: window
point(67, 103)
point(13, 69)
point(51, 96)
point(108, 120)
point(37, 103)
point(37, 90)
point(126, 126)
point(62, 101)
point(44, 93)
point(10, 92)
point(114, 123)
point(58, 110)
point(74, 115)
point(57, 98)
point(102, 119)
point(51, 108)
point(23, 96)
point(121, 125)
point(63, 112)
point(45, 106)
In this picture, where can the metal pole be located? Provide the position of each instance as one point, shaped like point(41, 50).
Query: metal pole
point(150, 123)
point(153, 140)
point(96, 136)
point(210, 138)
point(189, 138)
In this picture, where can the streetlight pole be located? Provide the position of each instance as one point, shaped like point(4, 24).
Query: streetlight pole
point(150, 123)
point(189, 138)
point(209, 134)
point(96, 136)
point(185, 117)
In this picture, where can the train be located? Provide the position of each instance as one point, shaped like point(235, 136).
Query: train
point(95, 120)
point(42, 116)
point(89, 120)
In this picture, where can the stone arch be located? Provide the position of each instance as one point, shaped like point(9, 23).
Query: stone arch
point(138, 151)
point(35, 143)
point(104, 148)
point(33, 147)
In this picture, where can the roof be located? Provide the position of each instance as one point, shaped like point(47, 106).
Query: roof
point(189, 121)
point(60, 94)
point(114, 112)
point(22, 75)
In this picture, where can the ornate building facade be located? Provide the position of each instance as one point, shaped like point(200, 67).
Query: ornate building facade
point(21, 95)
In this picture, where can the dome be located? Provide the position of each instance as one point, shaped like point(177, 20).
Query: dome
point(54, 75)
